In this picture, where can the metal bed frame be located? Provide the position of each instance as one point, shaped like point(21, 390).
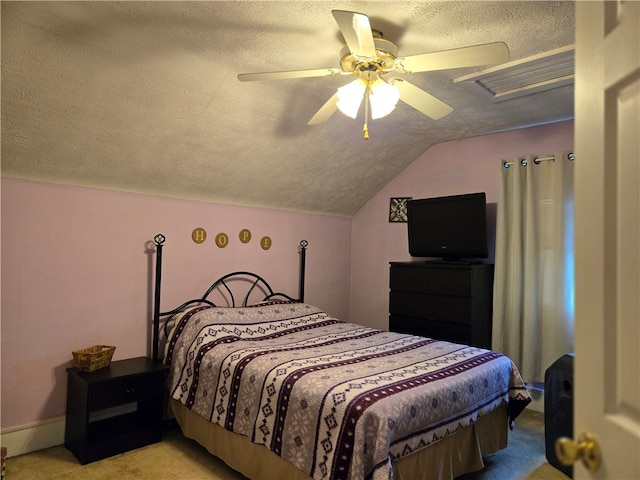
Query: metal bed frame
point(257, 284)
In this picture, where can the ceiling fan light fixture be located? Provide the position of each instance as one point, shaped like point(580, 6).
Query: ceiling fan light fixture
point(369, 56)
point(350, 97)
point(383, 98)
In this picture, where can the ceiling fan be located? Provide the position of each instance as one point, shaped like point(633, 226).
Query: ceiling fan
point(372, 58)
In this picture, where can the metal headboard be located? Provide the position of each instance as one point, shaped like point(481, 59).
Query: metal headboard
point(257, 284)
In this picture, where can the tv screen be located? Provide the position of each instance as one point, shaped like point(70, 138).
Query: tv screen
point(451, 228)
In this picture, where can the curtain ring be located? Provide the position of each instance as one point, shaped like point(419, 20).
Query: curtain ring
point(571, 157)
point(523, 162)
point(506, 164)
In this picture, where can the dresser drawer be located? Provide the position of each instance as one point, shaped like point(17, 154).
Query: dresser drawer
point(436, 281)
point(125, 390)
point(436, 330)
point(456, 310)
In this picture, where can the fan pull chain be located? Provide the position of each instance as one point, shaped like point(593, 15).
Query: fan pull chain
point(365, 128)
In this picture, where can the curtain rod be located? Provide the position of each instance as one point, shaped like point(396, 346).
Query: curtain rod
point(538, 160)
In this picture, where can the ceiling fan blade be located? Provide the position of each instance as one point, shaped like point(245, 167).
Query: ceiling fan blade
point(325, 112)
point(486, 54)
point(356, 30)
point(421, 100)
point(320, 72)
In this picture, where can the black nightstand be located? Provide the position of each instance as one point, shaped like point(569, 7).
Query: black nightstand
point(114, 409)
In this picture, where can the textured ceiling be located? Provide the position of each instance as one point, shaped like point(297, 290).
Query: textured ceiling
point(143, 96)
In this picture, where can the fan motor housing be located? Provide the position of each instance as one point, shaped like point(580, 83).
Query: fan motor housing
point(386, 54)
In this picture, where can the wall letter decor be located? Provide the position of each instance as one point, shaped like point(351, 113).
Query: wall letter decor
point(265, 243)
point(245, 235)
point(199, 235)
point(222, 240)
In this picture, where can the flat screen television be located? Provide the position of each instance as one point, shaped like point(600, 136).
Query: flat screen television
point(451, 228)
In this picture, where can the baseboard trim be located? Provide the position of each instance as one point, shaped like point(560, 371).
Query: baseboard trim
point(33, 437)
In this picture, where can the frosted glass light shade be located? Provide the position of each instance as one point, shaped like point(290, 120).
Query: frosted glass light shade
point(350, 97)
point(383, 98)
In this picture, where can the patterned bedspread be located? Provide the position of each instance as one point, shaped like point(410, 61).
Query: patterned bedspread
point(336, 399)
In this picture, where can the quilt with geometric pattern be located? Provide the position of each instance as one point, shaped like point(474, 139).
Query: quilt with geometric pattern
point(336, 399)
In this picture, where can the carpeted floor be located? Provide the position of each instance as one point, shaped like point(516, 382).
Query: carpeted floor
point(523, 459)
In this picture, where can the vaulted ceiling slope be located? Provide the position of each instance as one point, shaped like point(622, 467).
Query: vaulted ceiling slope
point(144, 96)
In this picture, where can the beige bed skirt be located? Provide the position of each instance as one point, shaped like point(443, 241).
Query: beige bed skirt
point(448, 458)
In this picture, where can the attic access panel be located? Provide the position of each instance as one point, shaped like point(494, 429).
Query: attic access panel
point(526, 76)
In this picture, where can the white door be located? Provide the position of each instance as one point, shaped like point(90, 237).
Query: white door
point(607, 222)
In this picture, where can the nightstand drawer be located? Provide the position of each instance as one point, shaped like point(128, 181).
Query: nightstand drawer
point(124, 390)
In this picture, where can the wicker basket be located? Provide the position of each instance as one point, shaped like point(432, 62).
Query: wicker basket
point(93, 358)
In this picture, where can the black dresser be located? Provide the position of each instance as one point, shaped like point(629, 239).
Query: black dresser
point(445, 301)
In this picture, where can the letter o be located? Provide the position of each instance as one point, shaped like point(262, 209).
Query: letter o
point(222, 240)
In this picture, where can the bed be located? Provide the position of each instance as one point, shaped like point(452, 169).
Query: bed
point(277, 388)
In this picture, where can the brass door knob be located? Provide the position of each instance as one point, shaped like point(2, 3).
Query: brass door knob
point(586, 449)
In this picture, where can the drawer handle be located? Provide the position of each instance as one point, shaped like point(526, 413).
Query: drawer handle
point(130, 390)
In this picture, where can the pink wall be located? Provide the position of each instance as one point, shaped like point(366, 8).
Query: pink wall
point(465, 166)
point(76, 269)
point(76, 272)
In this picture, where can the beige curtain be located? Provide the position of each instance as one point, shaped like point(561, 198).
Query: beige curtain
point(533, 304)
